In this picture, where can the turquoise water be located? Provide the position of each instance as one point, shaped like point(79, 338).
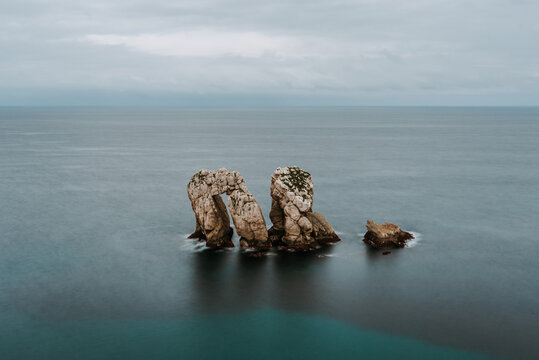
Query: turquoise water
point(261, 334)
point(95, 263)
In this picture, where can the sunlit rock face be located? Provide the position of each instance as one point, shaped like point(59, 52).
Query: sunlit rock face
point(295, 226)
point(386, 235)
point(212, 220)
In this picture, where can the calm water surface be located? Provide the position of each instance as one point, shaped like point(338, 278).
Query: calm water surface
point(94, 214)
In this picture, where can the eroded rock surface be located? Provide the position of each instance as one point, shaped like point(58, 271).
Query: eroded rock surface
point(212, 220)
point(295, 226)
point(386, 235)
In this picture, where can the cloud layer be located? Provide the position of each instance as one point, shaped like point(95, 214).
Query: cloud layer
point(202, 43)
point(360, 52)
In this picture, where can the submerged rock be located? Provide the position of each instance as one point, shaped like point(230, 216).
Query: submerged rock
point(295, 226)
point(212, 220)
point(257, 254)
point(386, 235)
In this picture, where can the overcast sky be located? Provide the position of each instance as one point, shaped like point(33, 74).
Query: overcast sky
point(279, 52)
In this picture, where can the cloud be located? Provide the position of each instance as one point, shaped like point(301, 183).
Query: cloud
point(204, 43)
point(213, 43)
point(353, 50)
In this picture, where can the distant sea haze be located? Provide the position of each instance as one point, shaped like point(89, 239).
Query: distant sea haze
point(96, 263)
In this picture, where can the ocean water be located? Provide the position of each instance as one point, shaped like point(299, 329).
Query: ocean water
point(95, 263)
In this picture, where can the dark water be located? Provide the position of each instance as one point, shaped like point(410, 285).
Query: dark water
point(94, 260)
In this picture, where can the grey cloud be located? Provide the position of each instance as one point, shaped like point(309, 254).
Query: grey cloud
point(346, 52)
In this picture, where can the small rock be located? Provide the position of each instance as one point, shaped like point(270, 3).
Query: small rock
point(386, 235)
point(256, 254)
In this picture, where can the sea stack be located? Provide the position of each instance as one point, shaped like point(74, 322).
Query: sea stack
point(386, 235)
point(295, 225)
point(212, 220)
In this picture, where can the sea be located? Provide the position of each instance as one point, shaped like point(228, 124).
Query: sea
point(95, 262)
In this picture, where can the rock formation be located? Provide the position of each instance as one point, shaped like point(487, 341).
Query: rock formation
point(386, 235)
point(212, 220)
point(295, 226)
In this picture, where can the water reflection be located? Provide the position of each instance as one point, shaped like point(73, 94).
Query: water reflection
point(236, 280)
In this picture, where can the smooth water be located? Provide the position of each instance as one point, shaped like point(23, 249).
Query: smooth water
point(94, 214)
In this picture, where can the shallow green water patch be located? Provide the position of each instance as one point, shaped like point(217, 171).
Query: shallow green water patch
point(261, 334)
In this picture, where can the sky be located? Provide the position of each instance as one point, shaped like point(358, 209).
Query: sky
point(269, 53)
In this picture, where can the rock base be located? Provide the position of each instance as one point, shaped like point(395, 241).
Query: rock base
point(247, 244)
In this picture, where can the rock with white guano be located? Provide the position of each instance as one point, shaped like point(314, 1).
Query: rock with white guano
point(295, 225)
